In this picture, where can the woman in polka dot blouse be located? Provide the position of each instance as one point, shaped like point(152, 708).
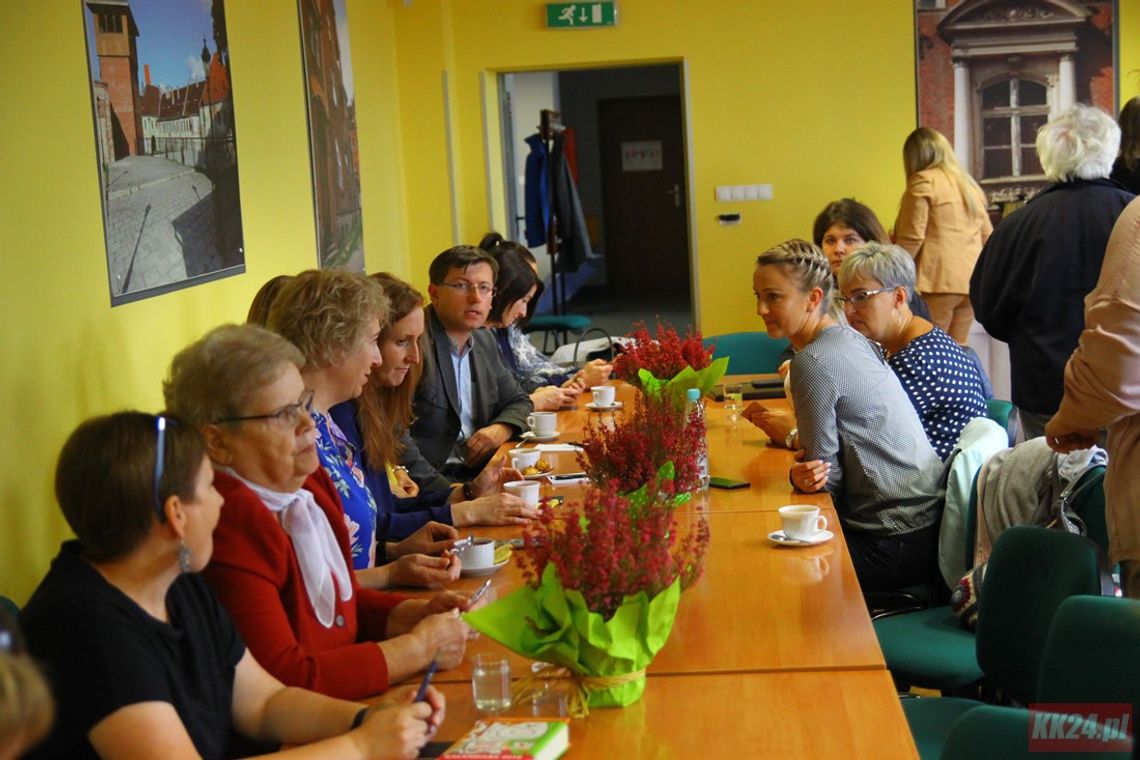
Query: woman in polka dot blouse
point(941, 380)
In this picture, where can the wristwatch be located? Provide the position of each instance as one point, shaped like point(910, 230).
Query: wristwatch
point(790, 439)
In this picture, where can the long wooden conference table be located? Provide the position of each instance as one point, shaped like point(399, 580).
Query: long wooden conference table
point(772, 652)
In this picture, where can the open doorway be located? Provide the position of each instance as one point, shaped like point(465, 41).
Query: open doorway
point(628, 156)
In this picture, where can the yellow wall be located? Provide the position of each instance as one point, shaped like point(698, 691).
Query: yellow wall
point(770, 101)
point(66, 354)
point(813, 96)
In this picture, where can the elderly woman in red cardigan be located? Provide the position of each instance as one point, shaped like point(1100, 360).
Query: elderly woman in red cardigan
point(281, 562)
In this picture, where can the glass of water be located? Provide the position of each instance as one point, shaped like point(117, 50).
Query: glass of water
point(491, 682)
point(733, 398)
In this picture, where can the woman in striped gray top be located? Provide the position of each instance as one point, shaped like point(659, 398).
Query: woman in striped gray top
point(857, 434)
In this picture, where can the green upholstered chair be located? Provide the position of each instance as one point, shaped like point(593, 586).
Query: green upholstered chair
point(558, 326)
point(1030, 573)
point(1003, 413)
point(751, 353)
point(929, 647)
point(1091, 656)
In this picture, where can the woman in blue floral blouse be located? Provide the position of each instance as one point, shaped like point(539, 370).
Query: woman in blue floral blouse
point(335, 318)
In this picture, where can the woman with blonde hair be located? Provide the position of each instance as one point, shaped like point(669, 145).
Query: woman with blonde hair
point(376, 424)
point(857, 434)
point(335, 319)
point(943, 224)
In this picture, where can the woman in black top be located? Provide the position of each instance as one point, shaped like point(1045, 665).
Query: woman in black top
point(141, 657)
point(1126, 169)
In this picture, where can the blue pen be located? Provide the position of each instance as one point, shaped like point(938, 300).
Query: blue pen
point(421, 693)
point(479, 593)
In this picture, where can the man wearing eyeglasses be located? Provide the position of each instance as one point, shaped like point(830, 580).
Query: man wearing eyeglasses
point(467, 403)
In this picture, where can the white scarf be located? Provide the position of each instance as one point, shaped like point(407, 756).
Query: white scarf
point(318, 552)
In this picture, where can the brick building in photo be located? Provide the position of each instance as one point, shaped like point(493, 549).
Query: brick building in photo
point(991, 72)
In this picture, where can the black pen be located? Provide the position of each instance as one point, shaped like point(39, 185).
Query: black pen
point(421, 693)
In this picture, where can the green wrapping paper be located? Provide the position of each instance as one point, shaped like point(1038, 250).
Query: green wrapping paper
point(551, 624)
point(675, 387)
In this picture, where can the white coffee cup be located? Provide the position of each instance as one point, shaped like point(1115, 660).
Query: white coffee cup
point(802, 521)
point(480, 554)
point(603, 395)
point(523, 458)
point(527, 490)
point(544, 424)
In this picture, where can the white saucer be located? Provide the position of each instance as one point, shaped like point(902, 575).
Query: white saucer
point(598, 408)
point(539, 475)
point(530, 435)
point(481, 572)
point(778, 537)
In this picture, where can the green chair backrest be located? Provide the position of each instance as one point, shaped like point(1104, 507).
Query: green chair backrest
point(752, 353)
point(1031, 571)
point(1092, 653)
point(1003, 413)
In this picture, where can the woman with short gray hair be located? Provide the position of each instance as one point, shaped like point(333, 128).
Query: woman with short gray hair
point(1029, 285)
point(943, 383)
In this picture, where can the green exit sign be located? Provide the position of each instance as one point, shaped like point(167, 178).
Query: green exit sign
point(580, 15)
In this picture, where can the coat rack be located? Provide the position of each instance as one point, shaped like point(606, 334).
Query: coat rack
point(550, 125)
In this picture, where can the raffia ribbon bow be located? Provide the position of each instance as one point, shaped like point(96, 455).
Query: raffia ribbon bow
point(580, 685)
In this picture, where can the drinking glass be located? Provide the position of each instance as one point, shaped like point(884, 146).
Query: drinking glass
point(733, 398)
point(491, 683)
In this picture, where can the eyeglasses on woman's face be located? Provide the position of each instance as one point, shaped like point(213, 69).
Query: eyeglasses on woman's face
point(858, 300)
point(282, 418)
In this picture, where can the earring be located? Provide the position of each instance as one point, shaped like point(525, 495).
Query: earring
point(184, 557)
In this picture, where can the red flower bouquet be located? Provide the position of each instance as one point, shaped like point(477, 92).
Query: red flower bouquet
point(601, 595)
point(629, 454)
point(614, 550)
point(664, 355)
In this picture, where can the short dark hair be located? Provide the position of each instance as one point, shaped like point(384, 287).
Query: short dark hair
point(459, 257)
point(104, 481)
point(516, 278)
point(850, 213)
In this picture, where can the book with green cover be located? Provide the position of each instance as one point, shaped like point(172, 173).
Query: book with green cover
point(503, 738)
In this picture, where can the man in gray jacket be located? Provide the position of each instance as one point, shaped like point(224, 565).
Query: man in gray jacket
point(467, 403)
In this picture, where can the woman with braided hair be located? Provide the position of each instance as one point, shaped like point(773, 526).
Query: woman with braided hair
point(857, 434)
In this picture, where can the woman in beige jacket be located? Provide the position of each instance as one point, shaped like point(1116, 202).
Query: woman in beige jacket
point(943, 223)
point(1102, 389)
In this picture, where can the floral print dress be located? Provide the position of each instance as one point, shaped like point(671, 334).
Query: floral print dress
point(341, 461)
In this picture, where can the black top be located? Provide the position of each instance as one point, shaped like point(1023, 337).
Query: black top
point(101, 652)
point(1129, 179)
point(1029, 285)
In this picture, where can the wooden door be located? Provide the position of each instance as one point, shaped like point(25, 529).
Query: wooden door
point(643, 189)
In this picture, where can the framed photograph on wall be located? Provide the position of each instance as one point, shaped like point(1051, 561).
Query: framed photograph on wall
point(990, 74)
point(332, 133)
point(165, 139)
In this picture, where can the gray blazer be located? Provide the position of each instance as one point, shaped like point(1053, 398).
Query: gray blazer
point(495, 393)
